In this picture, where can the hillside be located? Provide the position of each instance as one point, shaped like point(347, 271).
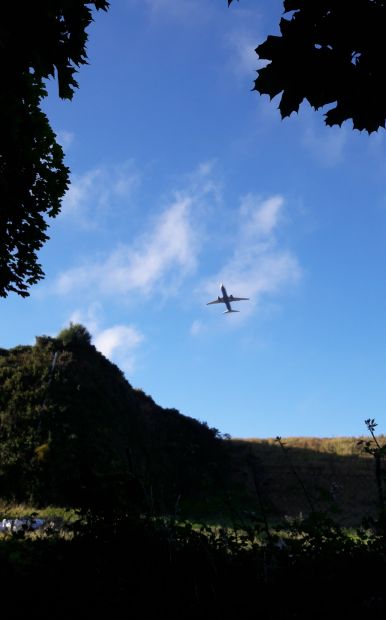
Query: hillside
point(333, 474)
point(74, 432)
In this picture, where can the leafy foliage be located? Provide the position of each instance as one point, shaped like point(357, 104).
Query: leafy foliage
point(168, 569)
point(75, 334)
point(378, 451)
point(328, 54)
point(38, 40)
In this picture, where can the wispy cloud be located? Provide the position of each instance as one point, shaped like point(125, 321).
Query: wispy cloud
point(90, 318)
point(169, 249)
point(197, 327)
point(327, 144)
point(260, 218)
point(159, 259)
point(65, 138)
point(243, 59)
point(172, 9)
point(241, 38)
point(91, 194)
point(259, 266)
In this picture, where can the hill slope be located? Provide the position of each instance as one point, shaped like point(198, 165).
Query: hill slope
point(329, 474)
point(74, 432)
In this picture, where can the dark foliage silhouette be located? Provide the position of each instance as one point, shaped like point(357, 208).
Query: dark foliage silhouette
point(38, 41)
point(329, 55)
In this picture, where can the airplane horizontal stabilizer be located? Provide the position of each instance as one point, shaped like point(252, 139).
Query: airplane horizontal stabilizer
point(229, 311)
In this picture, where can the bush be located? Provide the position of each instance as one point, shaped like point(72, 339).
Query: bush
point(75, 334)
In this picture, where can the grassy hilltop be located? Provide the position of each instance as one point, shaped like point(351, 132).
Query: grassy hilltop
point(333, 474)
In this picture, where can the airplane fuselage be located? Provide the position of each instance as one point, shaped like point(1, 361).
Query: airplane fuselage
point(226, 299)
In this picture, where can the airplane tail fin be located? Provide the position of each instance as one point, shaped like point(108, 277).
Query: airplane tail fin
point(229, 311)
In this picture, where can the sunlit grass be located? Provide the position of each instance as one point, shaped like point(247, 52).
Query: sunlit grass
point(341, 446)
point(13, 510)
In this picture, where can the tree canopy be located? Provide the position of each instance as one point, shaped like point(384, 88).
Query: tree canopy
point(332, 54)
point(38, 40)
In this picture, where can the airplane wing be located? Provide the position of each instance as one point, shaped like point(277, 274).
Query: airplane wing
point(238, 298)
point(216, 301)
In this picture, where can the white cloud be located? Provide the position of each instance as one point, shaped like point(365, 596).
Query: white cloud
point(91, 194)
point(159, 259)
point(255, 274)
point(244, 60)
point(243, 35)
point(119, 343)
point(197, 327)
point(260, 217)
point(170, 245)
point(166, 253)
point(81, 191)
point(258, 266)
point(176, 9)
point(327, 144)
point(113, 338)
point(65, 138)
point(90, 319)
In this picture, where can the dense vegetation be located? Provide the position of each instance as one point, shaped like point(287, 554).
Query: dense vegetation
point(133, 476)
point(74, 432)
point(144, 568)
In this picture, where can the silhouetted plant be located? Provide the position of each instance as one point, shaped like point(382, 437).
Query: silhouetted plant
point(378, 452)
point(295, 473)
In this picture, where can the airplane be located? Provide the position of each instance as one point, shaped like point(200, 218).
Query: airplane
point(226, 299)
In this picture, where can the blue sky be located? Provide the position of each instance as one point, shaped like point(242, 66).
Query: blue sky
point(183, 178)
